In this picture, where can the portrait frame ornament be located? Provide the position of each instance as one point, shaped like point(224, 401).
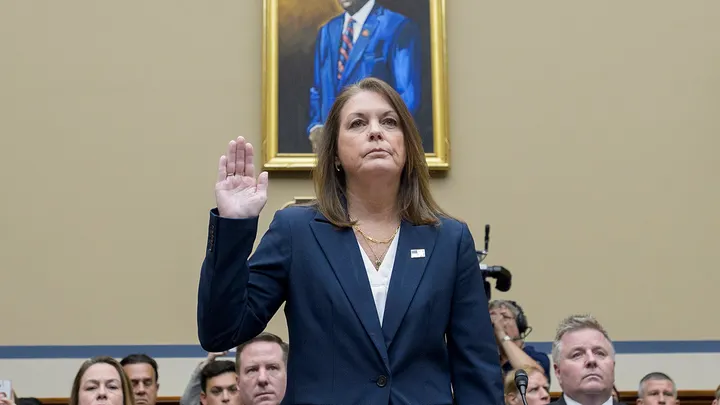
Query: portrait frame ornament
point(304, 200)
point(273, 160)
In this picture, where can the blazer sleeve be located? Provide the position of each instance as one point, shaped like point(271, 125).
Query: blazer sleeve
point(237, 297)
point(474, 356)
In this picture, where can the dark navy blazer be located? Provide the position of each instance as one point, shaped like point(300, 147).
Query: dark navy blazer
point(436, 331)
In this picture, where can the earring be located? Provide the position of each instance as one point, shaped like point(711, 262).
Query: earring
point(337, 166)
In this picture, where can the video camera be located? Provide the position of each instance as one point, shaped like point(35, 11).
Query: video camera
point(502, 276)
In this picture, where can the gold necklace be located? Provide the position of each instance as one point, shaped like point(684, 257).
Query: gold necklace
point(373, 240)
point(378, 259)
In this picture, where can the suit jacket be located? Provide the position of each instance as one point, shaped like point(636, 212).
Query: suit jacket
point(561, 401)
point(388, 48)
point(436, 329)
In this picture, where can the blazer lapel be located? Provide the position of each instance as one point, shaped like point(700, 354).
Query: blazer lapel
point(413, 252)
point(368, 29)
point(342, 251)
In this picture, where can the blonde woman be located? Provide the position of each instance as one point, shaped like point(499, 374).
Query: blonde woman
point(538, 389)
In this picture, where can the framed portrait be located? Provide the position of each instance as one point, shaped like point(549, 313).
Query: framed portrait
point(312, 49)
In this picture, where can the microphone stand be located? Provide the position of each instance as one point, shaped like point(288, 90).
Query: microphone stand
point(502, 276)
point(522, 395)
point(521, 382)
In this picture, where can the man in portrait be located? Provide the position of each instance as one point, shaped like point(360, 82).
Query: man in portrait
point(365, 40)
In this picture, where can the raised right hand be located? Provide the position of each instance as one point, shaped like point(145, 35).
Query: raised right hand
point(237, 193)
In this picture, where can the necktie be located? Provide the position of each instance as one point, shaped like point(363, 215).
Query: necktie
point(346, 45)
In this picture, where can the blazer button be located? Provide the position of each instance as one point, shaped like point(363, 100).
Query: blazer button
point(381, 381)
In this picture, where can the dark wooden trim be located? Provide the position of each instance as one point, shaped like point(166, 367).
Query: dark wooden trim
point(688, 397)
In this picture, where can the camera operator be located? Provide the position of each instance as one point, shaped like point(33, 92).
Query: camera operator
point(511, 328)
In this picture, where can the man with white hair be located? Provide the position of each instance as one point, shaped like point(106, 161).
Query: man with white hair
point(657, 389)
point(584, 360)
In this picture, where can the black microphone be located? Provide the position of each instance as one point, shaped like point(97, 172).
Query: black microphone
point(521, 382)
point(487, 237)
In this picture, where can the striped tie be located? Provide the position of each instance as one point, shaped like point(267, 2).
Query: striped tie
point(346, 46)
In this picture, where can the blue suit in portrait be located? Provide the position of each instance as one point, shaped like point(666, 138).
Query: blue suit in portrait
point(435, 338)
point(388, 48)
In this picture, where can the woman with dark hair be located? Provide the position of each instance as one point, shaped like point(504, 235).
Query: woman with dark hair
point(383, 296)
point(101, 381)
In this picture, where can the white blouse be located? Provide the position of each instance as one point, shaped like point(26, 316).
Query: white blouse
point(570, 401)
point(380, 278)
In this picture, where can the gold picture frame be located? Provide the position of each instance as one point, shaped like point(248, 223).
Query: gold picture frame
point(298, 201)
point(275, 160)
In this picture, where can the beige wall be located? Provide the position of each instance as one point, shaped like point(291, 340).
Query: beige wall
point(586, 133)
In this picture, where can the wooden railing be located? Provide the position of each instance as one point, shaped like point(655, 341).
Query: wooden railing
point(686, 397)
point(628, 397)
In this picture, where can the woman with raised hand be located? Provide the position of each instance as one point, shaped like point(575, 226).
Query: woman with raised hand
point(383, 296)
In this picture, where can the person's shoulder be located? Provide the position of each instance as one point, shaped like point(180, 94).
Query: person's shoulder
point(386, 12)
point(530, 350)
point(450, 228)
point(335, 20)
point(394, 18)
point(297, 213)
point(450, 224)
point(540, 357)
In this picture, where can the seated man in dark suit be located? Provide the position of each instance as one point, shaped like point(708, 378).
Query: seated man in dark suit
point(584, 360)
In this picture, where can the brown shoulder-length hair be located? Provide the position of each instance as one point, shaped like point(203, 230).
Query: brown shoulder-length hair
point(415, 202)
point(128, 396)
